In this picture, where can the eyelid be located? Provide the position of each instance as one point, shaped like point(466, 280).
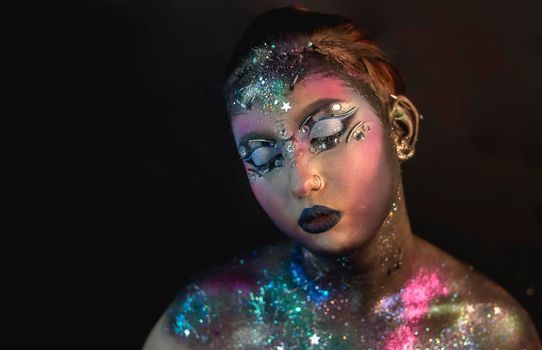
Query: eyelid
point(325, 128)
point(309, 122)
point(262, 155)
point(247, 147)
point(320, 107)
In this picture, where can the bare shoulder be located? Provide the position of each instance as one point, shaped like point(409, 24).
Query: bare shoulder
point(159, 339)
point(480, 306)
point(218, 305)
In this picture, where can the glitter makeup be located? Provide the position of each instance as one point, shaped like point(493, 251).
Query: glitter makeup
point(283, 307)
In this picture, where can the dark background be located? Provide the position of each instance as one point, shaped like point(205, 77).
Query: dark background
point(143, 150)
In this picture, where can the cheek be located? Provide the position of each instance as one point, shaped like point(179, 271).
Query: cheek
point(270, 199)
point(372, 164)
point(262, 195)
point(365, 172)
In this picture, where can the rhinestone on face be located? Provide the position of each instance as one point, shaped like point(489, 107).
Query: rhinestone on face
point(290, 148)
point(286, 106)
point(252, 177)
point(305, 129)
point(283, 133)
point(336, 107)
point(358, 135)
point(312, 149)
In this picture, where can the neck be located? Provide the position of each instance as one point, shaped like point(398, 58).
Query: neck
point(380, 266)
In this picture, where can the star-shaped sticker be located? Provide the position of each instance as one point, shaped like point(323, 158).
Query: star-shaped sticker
point(315, 339)
point(470, 309)
point(286, 106)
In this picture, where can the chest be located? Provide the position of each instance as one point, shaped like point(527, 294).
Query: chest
point(294, 321)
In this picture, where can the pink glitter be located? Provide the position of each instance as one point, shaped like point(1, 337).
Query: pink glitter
point(236, 280)
point(418, 294)
point(401, 339)
point(416, 297)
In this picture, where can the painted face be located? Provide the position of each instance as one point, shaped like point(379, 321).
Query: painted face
point(323, 168)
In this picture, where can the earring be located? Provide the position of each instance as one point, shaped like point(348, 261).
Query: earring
point(404, 152)
point(405, 149)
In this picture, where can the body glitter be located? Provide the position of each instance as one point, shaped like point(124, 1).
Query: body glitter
point(353, 275)
point(284, 308)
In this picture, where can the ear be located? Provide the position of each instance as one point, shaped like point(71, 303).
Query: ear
point(405, 123)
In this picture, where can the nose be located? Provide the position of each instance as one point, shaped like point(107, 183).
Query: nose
point(304, 181)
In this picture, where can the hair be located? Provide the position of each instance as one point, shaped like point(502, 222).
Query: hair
point(330, 44)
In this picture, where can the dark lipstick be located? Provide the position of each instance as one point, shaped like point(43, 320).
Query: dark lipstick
point(318, 219)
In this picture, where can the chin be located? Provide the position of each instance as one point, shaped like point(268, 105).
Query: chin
point(332, 243)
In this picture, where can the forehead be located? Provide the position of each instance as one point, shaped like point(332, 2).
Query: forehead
point(311, 89)
point(320, 86)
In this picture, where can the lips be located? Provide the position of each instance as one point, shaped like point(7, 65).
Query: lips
point(318, 219)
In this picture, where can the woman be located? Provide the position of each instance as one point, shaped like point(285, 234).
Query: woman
point(322, 126)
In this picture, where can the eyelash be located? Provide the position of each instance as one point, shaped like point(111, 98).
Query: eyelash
point(318, 144)
point(275, 162)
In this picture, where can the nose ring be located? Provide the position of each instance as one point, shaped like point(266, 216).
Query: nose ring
point(317, 182)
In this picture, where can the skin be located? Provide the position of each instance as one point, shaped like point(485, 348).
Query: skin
point(365, 167)
point(361, 179)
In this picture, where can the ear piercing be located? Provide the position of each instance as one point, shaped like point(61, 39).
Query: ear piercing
point(404, 151)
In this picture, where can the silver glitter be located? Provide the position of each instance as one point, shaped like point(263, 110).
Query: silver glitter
point(290, 147)
point(293, 164)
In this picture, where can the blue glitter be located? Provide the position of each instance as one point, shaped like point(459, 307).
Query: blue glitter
point(281, 307)
point(316, 294)
point(193, 314)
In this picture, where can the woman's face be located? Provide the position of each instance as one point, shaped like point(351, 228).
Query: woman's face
point(323, 168)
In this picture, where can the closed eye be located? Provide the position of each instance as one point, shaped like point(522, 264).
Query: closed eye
point(325, 132)
point(263, 155)
point(326, 128)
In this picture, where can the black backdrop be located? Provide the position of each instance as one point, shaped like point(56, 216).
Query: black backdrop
point(152, 192)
